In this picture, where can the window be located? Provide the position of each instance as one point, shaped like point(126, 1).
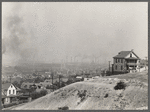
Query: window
point(121, 67)
point(116, 60)
point(116, 67)
point(131, 55)
point(25, 86)
point(13, 91)
point(121, 60)
point(9, 91)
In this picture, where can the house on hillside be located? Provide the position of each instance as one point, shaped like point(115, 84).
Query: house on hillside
point(46, 83)
point(125, 61)
point(36, 86)
point(9, 92)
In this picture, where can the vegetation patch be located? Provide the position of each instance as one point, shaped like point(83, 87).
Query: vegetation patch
point(106, 95)
point(82, 94)
point(36, 95)
point(120, 85)
point(63, 108)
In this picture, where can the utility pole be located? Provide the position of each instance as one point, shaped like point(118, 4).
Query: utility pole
point(52, 81)
point(59, 80)
point(109, 66)
point(10, 78)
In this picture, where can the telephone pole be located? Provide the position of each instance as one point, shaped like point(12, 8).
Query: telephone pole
point(109, 66)
point(59, 80)
point(52, 81)
point(10, 78)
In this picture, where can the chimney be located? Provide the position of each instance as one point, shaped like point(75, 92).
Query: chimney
point(132, 50)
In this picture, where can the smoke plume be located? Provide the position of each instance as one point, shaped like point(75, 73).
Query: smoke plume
point(16, 43)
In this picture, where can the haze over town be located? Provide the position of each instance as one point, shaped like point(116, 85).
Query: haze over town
point(53, 32)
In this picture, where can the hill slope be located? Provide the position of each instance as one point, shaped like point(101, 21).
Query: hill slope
point(97, 94)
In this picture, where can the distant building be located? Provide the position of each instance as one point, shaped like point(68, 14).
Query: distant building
point(38, 87)
point(46, 83)
point(125, 61)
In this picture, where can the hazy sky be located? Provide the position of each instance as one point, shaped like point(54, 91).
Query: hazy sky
point(50, 31)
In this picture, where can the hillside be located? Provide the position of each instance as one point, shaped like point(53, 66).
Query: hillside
point(97, 94)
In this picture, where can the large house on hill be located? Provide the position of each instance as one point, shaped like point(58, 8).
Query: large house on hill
point(125, 61)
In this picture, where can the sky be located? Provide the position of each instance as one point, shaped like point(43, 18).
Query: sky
point(58, 31)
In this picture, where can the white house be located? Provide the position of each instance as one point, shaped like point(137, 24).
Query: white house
point(9, 91)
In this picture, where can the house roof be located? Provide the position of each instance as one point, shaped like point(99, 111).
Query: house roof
point(6, 86)
point(123, 54)
point(18, 89)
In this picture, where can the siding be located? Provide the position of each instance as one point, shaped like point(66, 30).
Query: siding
point(11, 89)
point(119, 64)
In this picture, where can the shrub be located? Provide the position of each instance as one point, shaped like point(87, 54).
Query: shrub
point(63, 108)
point(106, 95)
point(43, 92)
point(82, 94)
point(48, 87)
point(36, 95)
point(120, 85)
point(9, 105)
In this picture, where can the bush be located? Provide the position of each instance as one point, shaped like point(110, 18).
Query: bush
point(36, 95)
point(106, 95)
point(9, 105)
point(63, 108)
point(120, 85)
point(48, 87)
point(43, 92)
point(82, 94)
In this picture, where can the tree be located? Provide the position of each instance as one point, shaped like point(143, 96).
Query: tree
point(38, 80)
point(48, 87)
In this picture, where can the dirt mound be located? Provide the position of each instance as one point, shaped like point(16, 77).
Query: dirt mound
point(98, 94)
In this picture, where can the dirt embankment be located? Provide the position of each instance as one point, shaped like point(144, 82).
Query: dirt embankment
point(97, 94)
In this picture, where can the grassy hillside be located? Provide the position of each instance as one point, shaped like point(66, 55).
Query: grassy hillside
point(97, 94)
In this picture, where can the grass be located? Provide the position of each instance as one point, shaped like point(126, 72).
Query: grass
point(143, 77)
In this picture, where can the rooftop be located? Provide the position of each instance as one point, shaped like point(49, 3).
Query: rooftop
point(123, 54)
point(6, 86)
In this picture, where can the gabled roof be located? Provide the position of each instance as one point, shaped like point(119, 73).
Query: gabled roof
point(6, 86)
point(17, 88)
point(123, 54)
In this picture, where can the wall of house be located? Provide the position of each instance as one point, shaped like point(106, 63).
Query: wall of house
point(6, 100)
point(119, 64)
point(11, 88)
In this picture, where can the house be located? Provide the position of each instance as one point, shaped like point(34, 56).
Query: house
point(28, 85)
point(125, 61)
point(46, 83)
point(9, 91)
